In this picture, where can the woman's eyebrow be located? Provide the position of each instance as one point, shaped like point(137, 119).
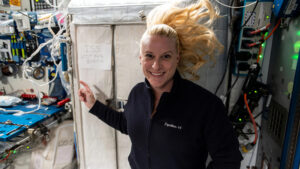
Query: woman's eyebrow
point(161, 54)
point(168, 52)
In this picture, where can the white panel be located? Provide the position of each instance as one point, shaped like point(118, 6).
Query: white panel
point(98, 142)
point(99, 80)
point(110, 11)
point(110, 14)
point(128, 74)
point(124, 146)
point(128, 68)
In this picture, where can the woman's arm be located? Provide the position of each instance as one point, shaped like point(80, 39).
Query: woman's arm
point(111, 117)
point(221, 141)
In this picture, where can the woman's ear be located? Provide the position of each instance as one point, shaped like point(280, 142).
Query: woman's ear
point(140, 57)
point(178, 55)
point(178, 58)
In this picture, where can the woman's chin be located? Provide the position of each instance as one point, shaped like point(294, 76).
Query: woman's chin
point(156, 85)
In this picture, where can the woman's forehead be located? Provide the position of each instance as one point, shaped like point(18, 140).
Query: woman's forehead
point(158, 42)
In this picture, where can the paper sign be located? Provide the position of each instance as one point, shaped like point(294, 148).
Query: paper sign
point(95, 56)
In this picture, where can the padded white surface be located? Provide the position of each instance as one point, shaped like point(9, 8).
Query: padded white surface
point(99, 148)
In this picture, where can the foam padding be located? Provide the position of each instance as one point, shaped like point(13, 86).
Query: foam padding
point(10, 131)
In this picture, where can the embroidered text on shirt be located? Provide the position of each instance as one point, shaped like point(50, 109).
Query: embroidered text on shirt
point(172, 126)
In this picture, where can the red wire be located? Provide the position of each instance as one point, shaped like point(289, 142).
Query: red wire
point(5, 157)
point(276, 26)
point(252, 118)
point(260, 49)
point(259, 30)
point(253, 44)
point(259, 52)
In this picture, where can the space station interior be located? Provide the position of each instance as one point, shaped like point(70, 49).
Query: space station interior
point(48, 46)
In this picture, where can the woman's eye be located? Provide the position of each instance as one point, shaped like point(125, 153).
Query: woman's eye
point(167, 56)
point(149, 55)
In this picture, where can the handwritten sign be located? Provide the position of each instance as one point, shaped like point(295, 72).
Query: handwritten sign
point(95, 56)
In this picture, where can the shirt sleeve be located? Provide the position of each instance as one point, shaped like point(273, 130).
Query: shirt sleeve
point(111, 117)
point(221, 140)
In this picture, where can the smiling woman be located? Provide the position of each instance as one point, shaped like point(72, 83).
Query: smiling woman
point(159, 59)
point(172, 122)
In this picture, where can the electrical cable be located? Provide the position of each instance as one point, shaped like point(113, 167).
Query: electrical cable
point(234, 7)
point(276, 26)
point(229, 54)
point(227, 61)
point(49, 26)
point(27, 77)
point(263, 39)
point(259, 53)
point(252, 153)
point(254, 44)
point(260, 30)
point(252, 118)
point(6, 157)
point(37, 85)
point(258, 115)
point(248, 133)
point(230, 72)
point(235, 81)
point(223, 76)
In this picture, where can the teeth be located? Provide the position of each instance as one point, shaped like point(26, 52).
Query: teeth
point(156, 74)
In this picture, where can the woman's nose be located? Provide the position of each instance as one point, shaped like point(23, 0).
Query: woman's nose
point(156, 65)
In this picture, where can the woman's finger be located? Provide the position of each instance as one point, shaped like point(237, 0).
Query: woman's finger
point(85, 85)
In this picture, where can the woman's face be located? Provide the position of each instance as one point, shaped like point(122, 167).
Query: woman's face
point(159, 59)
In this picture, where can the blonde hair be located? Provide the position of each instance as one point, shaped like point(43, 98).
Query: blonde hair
point(190, 28)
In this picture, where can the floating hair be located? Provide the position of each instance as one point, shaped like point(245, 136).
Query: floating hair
point(195, 38)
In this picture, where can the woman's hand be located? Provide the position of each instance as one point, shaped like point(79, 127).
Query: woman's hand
point(86, 95)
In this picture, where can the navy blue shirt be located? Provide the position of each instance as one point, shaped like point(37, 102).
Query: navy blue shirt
point(189, 123)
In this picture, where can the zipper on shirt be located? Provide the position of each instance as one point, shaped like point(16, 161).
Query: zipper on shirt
point(149, 136)
point(149, 128)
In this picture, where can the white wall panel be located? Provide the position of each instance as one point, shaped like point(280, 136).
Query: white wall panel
point(98, 142)
point(128, 74)
point(128, 68)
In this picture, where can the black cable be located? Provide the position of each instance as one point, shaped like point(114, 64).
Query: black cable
point(223, 76)
point(249, 133)
point(229, 90)
point(257, 125)
point(258, 115)
point(231, 62)
point(228, 55)
point(250, 14)
point(231, 65)
point(230, 51)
